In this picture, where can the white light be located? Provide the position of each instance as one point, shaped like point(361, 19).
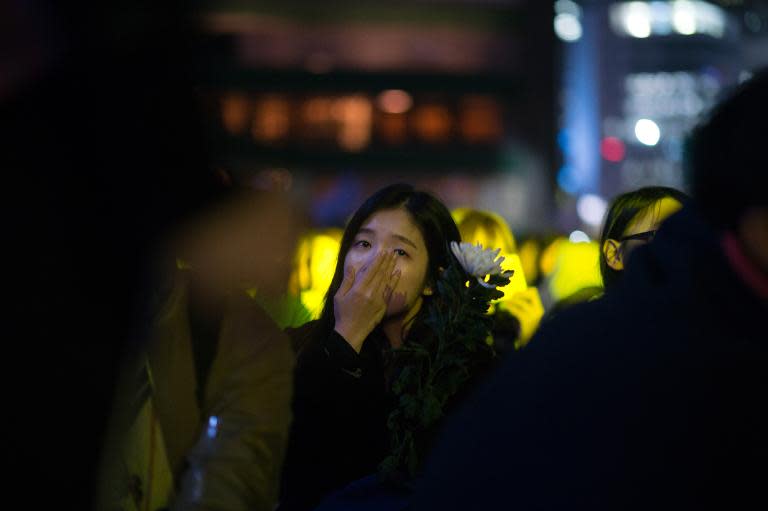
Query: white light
point(647, 132)
point(578, 237)
point(567, 7)
point(591, 209)
point(637, 19)
point(684, 17)
point(568, 27)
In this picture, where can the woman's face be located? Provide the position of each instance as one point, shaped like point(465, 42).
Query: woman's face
point(393, 230)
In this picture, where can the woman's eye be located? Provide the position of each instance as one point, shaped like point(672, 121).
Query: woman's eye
point(362, 243)
point(401, 252)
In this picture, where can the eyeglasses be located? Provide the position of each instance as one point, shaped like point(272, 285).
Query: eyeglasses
point(640, 236)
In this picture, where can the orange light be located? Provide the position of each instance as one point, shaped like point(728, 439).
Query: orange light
point(432, 123)
point(394, 101)
point(354, 115)
point(481, 120)
point(234, 113)
point(271, 119)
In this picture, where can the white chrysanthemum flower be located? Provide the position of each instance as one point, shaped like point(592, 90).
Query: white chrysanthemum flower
point(478, 261)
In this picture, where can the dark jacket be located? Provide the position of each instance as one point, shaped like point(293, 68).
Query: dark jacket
point(340, 408)
point(652, 397)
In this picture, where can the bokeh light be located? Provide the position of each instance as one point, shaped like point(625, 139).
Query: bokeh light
point(647, 132)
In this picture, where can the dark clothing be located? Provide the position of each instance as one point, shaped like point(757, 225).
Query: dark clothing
point(651, 397)
point(340, 408)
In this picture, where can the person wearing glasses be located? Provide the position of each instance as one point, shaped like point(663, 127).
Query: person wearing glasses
point(632, 220)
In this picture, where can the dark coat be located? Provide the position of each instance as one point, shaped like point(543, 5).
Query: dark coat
point(652, 397)
point(340, 408)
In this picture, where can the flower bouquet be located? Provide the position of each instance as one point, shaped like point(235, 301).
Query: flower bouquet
point(433, 368)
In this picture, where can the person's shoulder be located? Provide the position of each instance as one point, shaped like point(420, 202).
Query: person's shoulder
point(248, 330)
point(244, 309)
point(301, 336)
point(302, 331)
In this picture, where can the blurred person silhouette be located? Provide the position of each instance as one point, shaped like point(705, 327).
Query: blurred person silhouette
point(651, 397)
point(103, 157)
point(518, 313)
point(204, 417)
point(633, 219)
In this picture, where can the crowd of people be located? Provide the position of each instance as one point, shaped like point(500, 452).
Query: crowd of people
point(642, 393)
point(192, 355)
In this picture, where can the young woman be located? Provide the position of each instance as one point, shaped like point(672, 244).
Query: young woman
point(632, 220)
point(390, 257)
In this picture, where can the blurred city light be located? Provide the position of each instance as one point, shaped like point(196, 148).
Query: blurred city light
point(432, 122)
point(234, 113)
point(567, 27)
point(567, 7)
point(685, 17)
point(591, 209)
point(354, 115)
point(612, 149)
point(647, 132)
point(637, 19)
point(567, 180)
point(394, 101)
point(480, 119)
point(271, 118)
point(579, 237)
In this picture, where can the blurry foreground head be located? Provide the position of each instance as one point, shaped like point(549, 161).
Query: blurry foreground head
point(631, 221)
point(727, 166)
point(245, 240)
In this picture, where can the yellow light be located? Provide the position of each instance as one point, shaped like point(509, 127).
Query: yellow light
point(576, 267)
point(315, 263)
point(549, 256)
point(529, 253)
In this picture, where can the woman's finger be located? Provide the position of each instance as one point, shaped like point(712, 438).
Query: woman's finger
point(348, 281)
point(380, 279)
point(394, 278)
point(372, 269)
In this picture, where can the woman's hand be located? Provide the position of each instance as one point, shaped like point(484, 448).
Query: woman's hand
point(361, 301)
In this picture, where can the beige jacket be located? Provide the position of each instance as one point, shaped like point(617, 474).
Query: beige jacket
point(227, 454)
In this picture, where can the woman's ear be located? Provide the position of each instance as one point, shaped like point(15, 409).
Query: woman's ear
point(613, 254)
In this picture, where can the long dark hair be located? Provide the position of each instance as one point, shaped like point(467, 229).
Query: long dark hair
point(428, 213)
point(623, 210)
